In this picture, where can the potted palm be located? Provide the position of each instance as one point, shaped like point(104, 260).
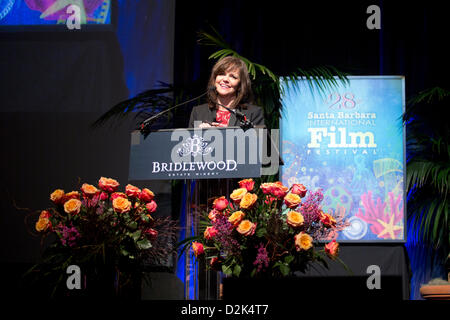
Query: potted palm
point(428, 178)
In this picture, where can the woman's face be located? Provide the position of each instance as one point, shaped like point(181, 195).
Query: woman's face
point(227, 83)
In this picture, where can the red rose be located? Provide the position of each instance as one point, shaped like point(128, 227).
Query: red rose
point(327, 219)
point(103, 196)
point(298, 189)
point(151, 233)
point(210, 233)
point(151, 206)
point(132, 191)
point(332, 249)
point(220, 203)
point(116, 195)
point(146, 195)
point(247, 184)
point(108, 185)
point(198, 249)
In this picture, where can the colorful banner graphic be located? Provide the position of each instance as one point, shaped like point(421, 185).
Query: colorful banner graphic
point(350, 143)
point(48, 12)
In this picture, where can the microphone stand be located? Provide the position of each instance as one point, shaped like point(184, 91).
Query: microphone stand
point(143, 128)
point(245, 124)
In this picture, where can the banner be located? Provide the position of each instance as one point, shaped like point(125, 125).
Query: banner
point(350, 143)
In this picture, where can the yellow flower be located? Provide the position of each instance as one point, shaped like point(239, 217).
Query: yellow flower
point(294, 219)
point(121, 205)
point(89, 190)
point(248, 200)
point(43, 224)
point(246, 228)
point(72, 206)
point(238, 194)
point(57, 196)
point(292, 200)
point(303, 241)
point(236, 218)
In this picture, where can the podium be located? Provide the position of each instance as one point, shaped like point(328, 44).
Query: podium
point(210, 162)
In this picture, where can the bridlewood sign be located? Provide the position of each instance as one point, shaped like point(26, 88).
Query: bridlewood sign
point(201, 154)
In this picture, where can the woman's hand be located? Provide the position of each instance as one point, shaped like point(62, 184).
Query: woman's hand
point(209, 125)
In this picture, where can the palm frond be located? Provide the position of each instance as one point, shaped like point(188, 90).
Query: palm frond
point(423, 172)
point(148, 101)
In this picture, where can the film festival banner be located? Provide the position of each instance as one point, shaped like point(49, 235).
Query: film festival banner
point(350, 143)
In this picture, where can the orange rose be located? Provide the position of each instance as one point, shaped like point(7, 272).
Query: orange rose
point(246, 228)
point(332, 249)
point(43, 224)
point(248, 200)
point(327, 219)
point(72, 206)
point(303, 241)
point(236, 218)
point(132, 191)
point(89, 190)
point(294, 219)
point(212, 214)
point(292, 200)
point(121, 205)
point(220, 203)
point(57, 196)
point(238, 194)
point(71, 195)
point(44, 214)
point(210, 233)
point(198, 249)
point(247, 184)
point(146, 195)
point(108, 184)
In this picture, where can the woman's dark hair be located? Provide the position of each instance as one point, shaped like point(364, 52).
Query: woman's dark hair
point(244, 91)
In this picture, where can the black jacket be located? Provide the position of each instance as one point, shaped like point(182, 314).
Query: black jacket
point(205, 114)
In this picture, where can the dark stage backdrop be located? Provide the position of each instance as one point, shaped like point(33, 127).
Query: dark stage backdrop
point(54, 83)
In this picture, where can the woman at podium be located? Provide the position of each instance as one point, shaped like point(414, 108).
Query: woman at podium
point(229, 98)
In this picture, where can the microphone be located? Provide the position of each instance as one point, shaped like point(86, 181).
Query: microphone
point(245, 124)
point(144, 124)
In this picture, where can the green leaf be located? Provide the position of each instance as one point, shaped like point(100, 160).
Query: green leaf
point(227, 270)
point(261, 232)
point(136, 235)
point(288, 259)
point(144, 244)
point(133, 225)
point(284, 269)
point(237, 270)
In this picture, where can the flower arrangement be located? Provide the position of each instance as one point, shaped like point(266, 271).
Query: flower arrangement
point(99, 226)
point(266, 231)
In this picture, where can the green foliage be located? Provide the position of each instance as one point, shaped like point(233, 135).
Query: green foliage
point(428, 168)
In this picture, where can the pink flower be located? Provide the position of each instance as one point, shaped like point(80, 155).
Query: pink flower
point(220, 203)
point(151, 206)
point(146, 195)
point(210, 233)
point(132, 191)
point(198, 249)
point(247, 184)
point(299, 189)
point(332, 249)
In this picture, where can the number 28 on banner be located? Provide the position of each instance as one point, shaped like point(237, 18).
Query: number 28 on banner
point(336, 101)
